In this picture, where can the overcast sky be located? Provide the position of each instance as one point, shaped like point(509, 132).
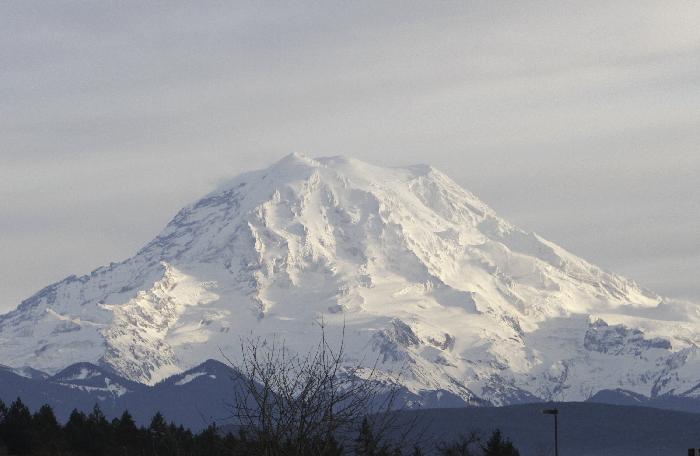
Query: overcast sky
point(577, 120)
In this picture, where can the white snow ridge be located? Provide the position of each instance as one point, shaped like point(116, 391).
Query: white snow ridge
point(424, 276)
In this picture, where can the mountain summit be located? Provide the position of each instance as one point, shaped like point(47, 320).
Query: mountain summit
point(419, 272)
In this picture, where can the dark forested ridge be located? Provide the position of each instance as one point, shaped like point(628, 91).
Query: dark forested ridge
point(585, 429)
point(25, 433)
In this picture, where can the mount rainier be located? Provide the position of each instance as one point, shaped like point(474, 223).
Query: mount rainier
point(418, 272)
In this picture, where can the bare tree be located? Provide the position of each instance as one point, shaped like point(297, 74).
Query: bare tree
point(304, 404)
point(464, 446)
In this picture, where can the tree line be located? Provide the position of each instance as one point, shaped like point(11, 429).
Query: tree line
point(25, 433)
point(285, 404)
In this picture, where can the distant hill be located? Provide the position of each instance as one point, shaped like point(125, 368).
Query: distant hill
point(585, 429)
point(194, 398)
point(202, 395)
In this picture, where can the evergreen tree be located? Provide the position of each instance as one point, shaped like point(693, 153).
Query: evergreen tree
point(45, 420)
point(234, 445)
point(3, 414)
point(463, 446)
point(47, 431)
point(98, 432)
point(158, 427)
point(17, 428)
point(163, 441)
point(126, 433)
point(208, 442)
point(179, 440)
point(76, 433)
point(498, 446)
point(366, 443)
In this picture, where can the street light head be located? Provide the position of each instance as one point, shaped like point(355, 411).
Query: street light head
point(550, 411)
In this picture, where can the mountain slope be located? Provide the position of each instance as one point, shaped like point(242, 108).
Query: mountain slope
point(422, 275)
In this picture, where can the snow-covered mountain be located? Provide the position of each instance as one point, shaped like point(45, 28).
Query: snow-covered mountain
point(420, 273)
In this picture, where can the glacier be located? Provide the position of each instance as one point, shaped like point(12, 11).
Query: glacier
point(414, 272)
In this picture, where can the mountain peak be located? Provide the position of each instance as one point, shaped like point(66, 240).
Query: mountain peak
point(419, 271)
point(295, 159)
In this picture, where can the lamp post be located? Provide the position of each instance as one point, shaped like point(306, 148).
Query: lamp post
point(554, 412)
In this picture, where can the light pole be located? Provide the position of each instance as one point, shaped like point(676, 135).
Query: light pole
point(554, 412)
